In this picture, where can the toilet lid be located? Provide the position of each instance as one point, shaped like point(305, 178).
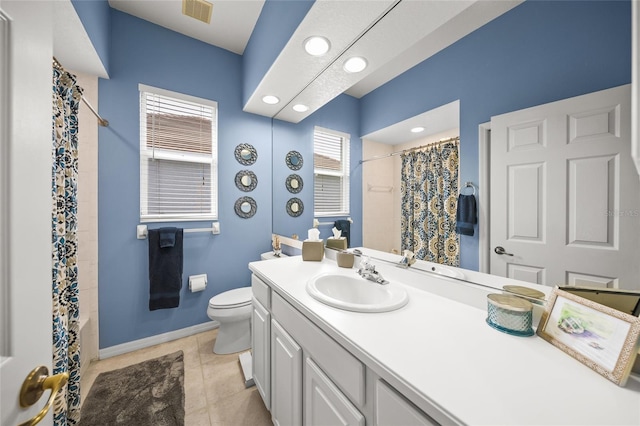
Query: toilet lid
point(232, 298)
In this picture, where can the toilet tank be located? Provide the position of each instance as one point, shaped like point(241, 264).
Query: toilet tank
point(269, 256)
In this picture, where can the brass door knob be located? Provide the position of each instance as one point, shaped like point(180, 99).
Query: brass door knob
point(34, 386)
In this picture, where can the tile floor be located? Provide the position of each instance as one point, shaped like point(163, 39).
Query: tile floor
point(214, 384)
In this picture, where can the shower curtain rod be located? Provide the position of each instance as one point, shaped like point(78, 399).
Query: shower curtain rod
point(379, 157)
point(102, 121)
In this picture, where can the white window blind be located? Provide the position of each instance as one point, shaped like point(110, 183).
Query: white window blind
point(178, 156)
point(331, 172)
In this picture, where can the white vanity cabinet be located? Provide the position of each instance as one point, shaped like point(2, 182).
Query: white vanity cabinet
point(306, 377)
point(434, 361)
point(261, 338)
point(286, 378)
point(300, 355)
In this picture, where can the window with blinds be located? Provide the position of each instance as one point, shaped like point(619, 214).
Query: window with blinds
point(331, 173)
point(178, 156)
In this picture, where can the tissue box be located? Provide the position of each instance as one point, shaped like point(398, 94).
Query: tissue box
point(337, 243)
point(345, 260)
point(312, 250)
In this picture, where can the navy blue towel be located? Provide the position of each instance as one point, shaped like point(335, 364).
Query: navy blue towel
point(345, 227)
point(466, 215)
point(167, 237)
point(165, 268)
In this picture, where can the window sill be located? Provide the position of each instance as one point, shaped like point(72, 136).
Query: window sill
point(178, 219)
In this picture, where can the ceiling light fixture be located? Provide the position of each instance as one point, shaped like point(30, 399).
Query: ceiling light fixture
point(417, 129)
point(270, 99)
point(316, 45)
point(300, 108)
point(355, 64)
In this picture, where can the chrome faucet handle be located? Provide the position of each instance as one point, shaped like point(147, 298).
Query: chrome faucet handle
point(408, 259)
point(365, 263)
point(368, 272)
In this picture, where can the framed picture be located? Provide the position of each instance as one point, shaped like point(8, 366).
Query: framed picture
point(603, 338)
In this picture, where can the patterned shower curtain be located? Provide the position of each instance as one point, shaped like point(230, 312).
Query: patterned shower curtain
point(66, 327)
point(429, 197)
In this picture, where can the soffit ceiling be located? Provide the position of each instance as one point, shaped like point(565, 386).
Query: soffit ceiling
point(393, 35)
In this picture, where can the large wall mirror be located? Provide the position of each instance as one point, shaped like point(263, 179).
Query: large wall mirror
point(381, 171)
point(492, 91)
point(584, 185)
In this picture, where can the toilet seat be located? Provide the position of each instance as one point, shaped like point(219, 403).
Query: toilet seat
point(230, 299)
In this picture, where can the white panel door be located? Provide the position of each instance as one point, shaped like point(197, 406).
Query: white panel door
point(565, 198)
point(261, 351)
point(25, 201)
point(286, 378)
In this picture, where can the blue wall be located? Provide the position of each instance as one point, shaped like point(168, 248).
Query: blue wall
point(142, 52)
point(539, 52)
point(340, 114)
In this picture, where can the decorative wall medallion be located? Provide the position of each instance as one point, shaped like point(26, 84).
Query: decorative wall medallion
point(246, 180)
point(294, 160)
point(295, 207)
point(246, 154)
point(246, 207)
point(294, 183)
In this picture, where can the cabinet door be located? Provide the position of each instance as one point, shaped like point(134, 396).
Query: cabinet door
point(286, 375)
point(324, 403)
point(260, 344)
point(393, 409)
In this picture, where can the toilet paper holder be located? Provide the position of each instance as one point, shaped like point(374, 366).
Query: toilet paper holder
point(197, 282)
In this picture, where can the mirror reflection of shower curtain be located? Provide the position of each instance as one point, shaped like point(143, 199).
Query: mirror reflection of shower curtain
point(429, 191)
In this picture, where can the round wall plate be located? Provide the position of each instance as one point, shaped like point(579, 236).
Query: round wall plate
point(246, 207)
point(294, 183)
point(295, 207)
point(246, 154)
point(294, 160)
point(246, 180)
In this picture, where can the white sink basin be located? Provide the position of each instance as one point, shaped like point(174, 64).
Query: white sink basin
point(356, 294)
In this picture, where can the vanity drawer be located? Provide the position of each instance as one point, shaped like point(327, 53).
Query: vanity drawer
point(261, 291)
point(345, 370)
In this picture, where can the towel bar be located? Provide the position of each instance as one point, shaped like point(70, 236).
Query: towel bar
point(142, 231)
point(317, 223)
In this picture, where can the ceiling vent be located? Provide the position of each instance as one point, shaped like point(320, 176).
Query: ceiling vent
point(198, 9)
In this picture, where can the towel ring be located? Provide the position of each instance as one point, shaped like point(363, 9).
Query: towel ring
point(470, 184)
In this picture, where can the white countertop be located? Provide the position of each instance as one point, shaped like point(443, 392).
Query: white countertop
point(440, 351)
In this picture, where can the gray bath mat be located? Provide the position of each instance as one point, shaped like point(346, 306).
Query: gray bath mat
point(148, 393)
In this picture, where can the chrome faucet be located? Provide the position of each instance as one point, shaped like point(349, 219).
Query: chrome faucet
point(368, 272)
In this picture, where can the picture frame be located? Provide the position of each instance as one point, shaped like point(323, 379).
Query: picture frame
point(602, 338)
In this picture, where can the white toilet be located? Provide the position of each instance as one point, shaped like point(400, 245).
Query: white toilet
point(232, 309)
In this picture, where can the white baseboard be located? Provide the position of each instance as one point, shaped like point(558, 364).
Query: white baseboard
point(124, 348)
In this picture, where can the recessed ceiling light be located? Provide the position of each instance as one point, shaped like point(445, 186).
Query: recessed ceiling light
point(270, 99)
point(355, 64)
point(316, 45)
point(417, 129)
point(300, 108)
